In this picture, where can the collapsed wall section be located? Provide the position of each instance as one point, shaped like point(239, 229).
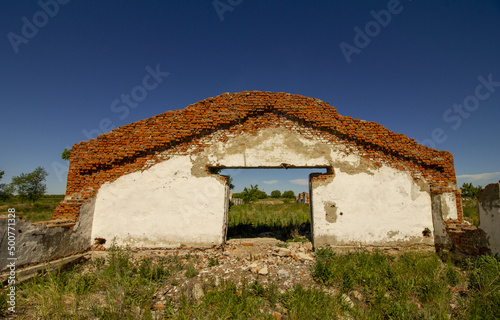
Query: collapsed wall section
point(256, 129)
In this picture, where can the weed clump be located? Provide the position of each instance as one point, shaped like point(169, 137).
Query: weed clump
point(484, 286)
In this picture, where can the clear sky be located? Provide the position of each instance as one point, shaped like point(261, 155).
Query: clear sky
point(71, 69)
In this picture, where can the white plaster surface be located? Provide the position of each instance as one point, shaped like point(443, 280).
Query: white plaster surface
point(441, 211)
point(379, 208)
point(449, 206)
point(489, 218)
point(163, 206)
point(269, 148)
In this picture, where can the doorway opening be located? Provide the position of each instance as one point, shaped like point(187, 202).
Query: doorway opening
point(269, 203)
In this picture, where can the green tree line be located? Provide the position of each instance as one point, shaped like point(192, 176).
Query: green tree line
point(253, 193)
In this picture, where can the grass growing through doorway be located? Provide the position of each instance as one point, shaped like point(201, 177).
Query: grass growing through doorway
point(248, 220)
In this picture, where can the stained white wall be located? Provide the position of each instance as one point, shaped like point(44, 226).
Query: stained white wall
point(489, 216)
point(381, 207)
point(163, 206)
point(443, 208)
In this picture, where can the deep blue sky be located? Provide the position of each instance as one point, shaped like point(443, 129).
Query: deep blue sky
point(430, 55)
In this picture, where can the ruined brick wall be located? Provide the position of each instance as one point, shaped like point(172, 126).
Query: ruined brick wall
point(302, 197)
point(466, 239)
point(141, 144)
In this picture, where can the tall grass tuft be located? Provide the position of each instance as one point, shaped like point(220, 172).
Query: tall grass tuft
point(484, 284)
point(112, 290)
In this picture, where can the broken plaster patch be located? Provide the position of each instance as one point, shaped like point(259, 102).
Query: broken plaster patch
point(330, 212)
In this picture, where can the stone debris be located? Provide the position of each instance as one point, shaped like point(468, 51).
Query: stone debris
point(282, 252)
point(198, 291)
point(264, 271)
point(348, 300)
point(283, 274)
point(304, 256)
point(264, 262)
point(357, 295)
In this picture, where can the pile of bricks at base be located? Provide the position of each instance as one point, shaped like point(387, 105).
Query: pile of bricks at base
point(467, 239)
point(143, 143)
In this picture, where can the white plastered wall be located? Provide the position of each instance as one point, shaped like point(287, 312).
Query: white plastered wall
point(489, 216)
point(163, 206)
point(382, 207)
point(443, 208)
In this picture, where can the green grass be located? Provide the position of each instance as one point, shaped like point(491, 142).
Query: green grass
point(393, 286)
point(484, 282)
point(271, 215)
point(470, 211)
point(41, 210)
point(120, 288)
point(248, 220)
point(410, 286)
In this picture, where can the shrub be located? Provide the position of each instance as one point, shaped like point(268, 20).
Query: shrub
point(191, 271)
point(252, 194)
point(275, 194)
point(289, 194)
point(469, 191)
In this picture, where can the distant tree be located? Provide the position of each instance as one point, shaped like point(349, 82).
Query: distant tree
point(276, 194)
point(248, 195)
point(289, 194)
point(469, 191)
point(252, 194)
point(66, 153)
point(6, 190)
point(31, 186)
point(262, 194)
